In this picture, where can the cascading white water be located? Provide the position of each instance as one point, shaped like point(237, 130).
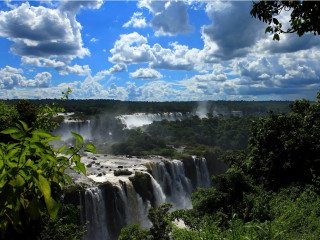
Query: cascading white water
point(135, 209)
point(203, 176)
point(157, 192)
point(94, 213)
point(118, 204)
point(173, 181)
point(139, 119)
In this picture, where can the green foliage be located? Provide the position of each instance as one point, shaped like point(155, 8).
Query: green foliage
point(31, 175)
point(133, 232)
point(160, 229)
point(304, 16)
point(138, 143)
point(65, 226)
point(285, 148)
point(198, 135)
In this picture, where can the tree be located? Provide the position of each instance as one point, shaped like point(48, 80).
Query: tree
point(160, 229)
point(32, 174)
point(284, 148)
point(305, 16)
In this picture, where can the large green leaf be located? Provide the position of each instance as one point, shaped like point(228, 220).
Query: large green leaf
point(42, 133)
point(90, 146)
point(61, 149)
point(52, 207)
point(24, 125)
point(44, 186)
point(81, 167)
point(12, 153)
point(19, 181)
point(76, 158)
point(78, 137)
point(10, 130)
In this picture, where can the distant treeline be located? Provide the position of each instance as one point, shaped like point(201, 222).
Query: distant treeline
point(100, 106)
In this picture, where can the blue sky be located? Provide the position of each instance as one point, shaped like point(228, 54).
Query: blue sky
point(151, 51)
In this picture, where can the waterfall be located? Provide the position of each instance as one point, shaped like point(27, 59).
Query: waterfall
point(112, 206)
point(135, 209)
point(172, 179)
point(94, 213)
point(139, 119)
point(203, 176)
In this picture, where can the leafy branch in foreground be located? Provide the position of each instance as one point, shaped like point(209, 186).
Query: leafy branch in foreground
point(32, 174)
point(304, 16)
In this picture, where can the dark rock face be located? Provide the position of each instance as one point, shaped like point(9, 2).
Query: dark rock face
point(143, 186)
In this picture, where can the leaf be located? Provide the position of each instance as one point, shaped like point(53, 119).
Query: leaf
point(10, 130)
point(62, 149)
point(12, 152)
point(51, 139)
point(275, 21)
point(18, 136)
point(37, 146)
point(76, 158)
point(276, 37)
point(68, 178)
point(81, 167)
point(52, 207)
point(24, 125)
point(70, 150)
point(19, 181)
point(44, 186)
point(10, 146)
point(78, 137)
point(42, 133)
point(90, 146)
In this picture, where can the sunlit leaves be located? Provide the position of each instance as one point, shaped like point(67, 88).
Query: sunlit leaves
point(31, 171)
point(78, 137)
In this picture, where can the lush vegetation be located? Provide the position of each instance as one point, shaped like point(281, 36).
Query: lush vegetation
point(270, 191)
point(89, 107)
point(32, 174)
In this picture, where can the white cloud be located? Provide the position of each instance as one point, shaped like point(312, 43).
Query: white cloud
point(42, 62)
point(169, 18)
point(131, 48)
point(75, 69)
point(233, 30)
point(11, 77)
point(146, 73)
point(94, 40)
point(136, 21)
point(45, 36)
point(41, 80)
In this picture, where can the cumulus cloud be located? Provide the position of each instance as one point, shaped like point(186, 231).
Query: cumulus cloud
point(41, 80)
point(133, 48)
point(45, 33)
point(75, 69)
point(233, 31)
point(267, 75)
point(136, 21)
point(169, 18)
point(146, 73)
point(11, 77)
